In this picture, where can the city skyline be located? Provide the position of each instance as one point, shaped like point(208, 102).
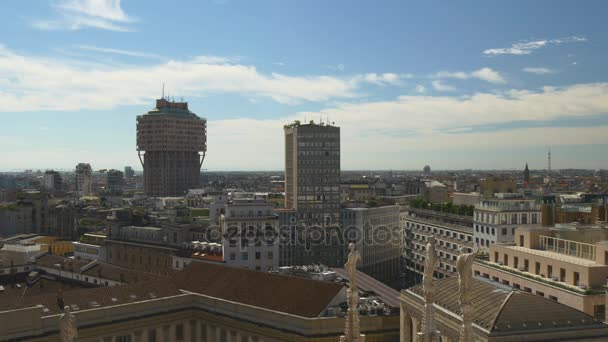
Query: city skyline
point(500, 99)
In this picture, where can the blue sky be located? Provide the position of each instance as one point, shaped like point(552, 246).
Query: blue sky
point(473, 84)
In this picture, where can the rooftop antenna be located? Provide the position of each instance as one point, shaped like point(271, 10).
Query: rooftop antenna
point(163, 97)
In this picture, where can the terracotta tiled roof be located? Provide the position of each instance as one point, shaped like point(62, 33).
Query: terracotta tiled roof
point(93, 297)
point(500, 308)
point(297, 296)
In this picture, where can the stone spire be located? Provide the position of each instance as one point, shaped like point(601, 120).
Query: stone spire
point(429, 333)
point(464, 265)
point(526, 174)
point(351, 325)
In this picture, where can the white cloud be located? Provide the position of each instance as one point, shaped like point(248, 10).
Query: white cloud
point(420, 88)
point(79, 14)
point(278, 63)
point(383, 134)
point(118, 51)
point(440, 86)
point(484, 74)
point(381, 79)
point(539, 70)
point(36, 83)
point(527, 47)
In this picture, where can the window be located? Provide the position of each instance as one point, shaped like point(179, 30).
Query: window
point(504, 231)
point(562, 275)
point(538, 293)
point(549, 271)
point(270, 255)
point(179, 332)
point(152, 335)
point(506, 260)
point(553, 298)
point(577, 278)
point(123, 338)
point(526, 265)
point(244, 256)
point(258, 268)
point(232, 256)
point(599, 312)
point(515, 262)
point(537, 268)
point(257, 255)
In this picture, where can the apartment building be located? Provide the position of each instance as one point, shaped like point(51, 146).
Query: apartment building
point(567, 264)
point(250, 235)
point(495, 219)
point(451, 232)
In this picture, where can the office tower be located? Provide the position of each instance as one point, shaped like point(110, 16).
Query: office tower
point(129, 172)
point(171, 144)
point(52, 180)
point(312, 190)
point(83, 179)
point(379, 256)
point(114, 181)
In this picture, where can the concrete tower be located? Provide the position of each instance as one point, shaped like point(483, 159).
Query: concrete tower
point(312, 189)
point(171, 144)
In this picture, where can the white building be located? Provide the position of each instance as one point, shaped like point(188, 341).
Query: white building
point(495, 219)
point(250, 235)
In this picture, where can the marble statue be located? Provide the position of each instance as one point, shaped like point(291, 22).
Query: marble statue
point(67, 326)
point(428, 332)
point(351, 324)
point(464, 264)
point(430, 263)
point(351, 265)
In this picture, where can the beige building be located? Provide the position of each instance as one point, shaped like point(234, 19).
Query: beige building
point(500, 314)
point(205, 302)
point(492, 185)
point(566, 265)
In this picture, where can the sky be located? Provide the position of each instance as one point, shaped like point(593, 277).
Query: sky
point(467, 84)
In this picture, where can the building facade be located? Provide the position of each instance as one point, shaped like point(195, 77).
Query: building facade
point(171, 143)
point(84, 181)
point(312, 190)
point(495, 219)
point(566, 265)
point(251, 235)
point(451, 232)
point(52, 180)
point(375, 232)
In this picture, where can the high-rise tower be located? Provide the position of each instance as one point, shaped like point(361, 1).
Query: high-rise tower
point(171, 144)
point(312, 191)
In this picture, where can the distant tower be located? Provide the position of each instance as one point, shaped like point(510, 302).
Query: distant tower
point(526, 175)
point(549, 161)
point(426, 170)
point(83, 179)
point(171, 144)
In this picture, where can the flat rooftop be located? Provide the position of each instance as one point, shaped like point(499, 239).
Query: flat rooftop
point(557, 256)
